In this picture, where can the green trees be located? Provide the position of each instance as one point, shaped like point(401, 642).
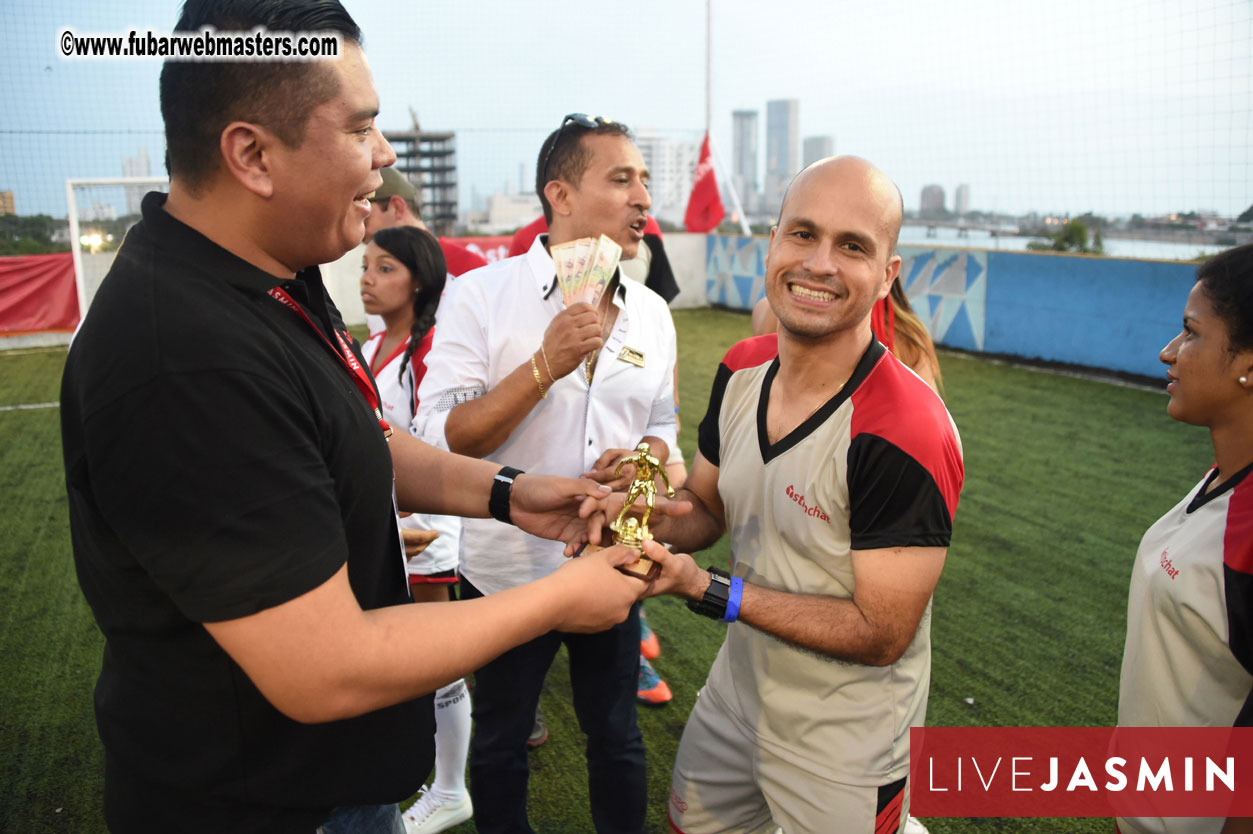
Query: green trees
point(28, 235)
point(1072, 237)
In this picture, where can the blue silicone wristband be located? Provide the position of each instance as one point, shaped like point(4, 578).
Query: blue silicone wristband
point(733, 600)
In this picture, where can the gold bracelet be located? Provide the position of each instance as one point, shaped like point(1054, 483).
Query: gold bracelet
point(535, 371)
point(547, 367)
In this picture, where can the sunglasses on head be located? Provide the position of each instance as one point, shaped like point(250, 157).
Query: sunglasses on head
point(582, 120)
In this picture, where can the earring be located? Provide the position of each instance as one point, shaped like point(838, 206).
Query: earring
point(1244, 380)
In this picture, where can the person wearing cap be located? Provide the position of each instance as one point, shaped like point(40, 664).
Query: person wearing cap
point(515, 374)
point(395, 203)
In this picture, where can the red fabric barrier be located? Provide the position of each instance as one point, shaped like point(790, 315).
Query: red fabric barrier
point(37, 292)
point(492, 249)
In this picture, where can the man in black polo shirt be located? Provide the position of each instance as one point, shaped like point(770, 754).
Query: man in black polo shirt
point(230, 483)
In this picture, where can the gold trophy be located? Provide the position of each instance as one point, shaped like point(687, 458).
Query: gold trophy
point(626, 528)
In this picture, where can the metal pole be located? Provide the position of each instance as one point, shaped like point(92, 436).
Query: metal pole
point(708, 62)
point(72, 209)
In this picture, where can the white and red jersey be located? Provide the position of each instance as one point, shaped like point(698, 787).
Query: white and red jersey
point(395, 392)
point(1188, 660)
point(397, 397)
point(879, 465)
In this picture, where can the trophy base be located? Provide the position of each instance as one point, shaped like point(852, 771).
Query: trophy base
point(642, 568)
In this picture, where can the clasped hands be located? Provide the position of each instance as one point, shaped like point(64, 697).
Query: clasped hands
point(598, 511)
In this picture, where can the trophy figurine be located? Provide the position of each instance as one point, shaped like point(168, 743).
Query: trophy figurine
point(629, 530)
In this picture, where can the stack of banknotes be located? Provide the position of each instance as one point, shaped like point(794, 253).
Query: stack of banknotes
point(585, 267)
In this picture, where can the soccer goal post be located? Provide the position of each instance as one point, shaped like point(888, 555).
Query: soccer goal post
point(100, 211)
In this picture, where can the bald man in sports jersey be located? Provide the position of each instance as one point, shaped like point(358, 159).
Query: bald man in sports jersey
point(835, 470)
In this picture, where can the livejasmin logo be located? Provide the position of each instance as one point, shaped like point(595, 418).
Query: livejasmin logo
point(1081, 771)
point(813, 512)
point(1021, 769)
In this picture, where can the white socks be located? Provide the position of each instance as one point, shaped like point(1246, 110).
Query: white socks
point(452, 740)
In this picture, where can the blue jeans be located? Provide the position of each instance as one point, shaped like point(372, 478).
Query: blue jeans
point(604, 674)
point(364, 819)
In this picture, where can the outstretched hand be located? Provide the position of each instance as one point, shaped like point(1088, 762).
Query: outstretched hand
point(680, 575)
point(416, 541)
point(551, 507)
point(599, 595)
point(600, 510)
point(602, 470)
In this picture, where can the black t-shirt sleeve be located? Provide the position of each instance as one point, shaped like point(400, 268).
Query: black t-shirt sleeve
point(708, 438)
point(893, 500)
point(660, 278)
point(219, 490)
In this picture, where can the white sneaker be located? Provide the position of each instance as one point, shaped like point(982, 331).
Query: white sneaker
point(430, 814)
point(913, 826)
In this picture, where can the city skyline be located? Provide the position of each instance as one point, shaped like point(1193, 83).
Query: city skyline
point(782, 150)
point(1126, 113)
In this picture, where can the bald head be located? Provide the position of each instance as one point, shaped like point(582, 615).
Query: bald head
point(831, 257)
point(851, 178)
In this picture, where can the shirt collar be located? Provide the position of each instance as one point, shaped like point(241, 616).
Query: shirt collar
point(190, 245)
point(209, 258)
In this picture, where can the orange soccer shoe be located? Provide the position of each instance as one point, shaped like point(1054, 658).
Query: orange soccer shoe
point(652, 689)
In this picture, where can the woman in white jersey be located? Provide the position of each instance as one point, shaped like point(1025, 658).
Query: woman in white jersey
point(402, 277)
point(1188, 660)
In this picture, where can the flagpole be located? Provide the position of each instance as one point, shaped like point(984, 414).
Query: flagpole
point(708, 62)
point(735, 198)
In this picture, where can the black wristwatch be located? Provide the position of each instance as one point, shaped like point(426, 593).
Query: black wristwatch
point(502, 487)
point(714, 603)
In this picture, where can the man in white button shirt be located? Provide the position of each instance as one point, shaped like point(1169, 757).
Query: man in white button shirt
point(515, 375)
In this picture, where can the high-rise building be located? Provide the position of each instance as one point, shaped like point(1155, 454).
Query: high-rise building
point(816, 148)
point(932, 201)
point(782, 149)
point(744, 154)
point(135, 166)
point(8, 204)
point(671, 166)
point(429, 160)
point(100, 210)
point(961, 199)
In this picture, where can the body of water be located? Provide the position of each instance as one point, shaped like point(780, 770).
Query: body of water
point(1115, 247)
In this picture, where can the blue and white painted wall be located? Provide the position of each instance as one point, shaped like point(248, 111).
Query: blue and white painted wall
point(1108, 313)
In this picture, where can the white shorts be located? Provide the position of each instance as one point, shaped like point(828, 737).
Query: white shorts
point(725, 782)
point(441, 555)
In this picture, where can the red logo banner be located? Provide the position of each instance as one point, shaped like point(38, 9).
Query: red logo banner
point(491, 248)
point(1081, 771)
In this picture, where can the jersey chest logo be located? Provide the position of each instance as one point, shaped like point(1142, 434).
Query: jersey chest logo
point(811, 511)
point(1168, 565)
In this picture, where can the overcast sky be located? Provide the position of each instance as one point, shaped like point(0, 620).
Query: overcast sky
point(1115, 106)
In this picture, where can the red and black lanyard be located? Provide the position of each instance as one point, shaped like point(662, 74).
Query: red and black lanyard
point(360, 377)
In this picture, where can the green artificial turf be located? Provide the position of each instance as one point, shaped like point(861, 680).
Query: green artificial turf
point(1063, 475)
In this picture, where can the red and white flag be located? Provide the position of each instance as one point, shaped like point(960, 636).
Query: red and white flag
point(704, 207)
